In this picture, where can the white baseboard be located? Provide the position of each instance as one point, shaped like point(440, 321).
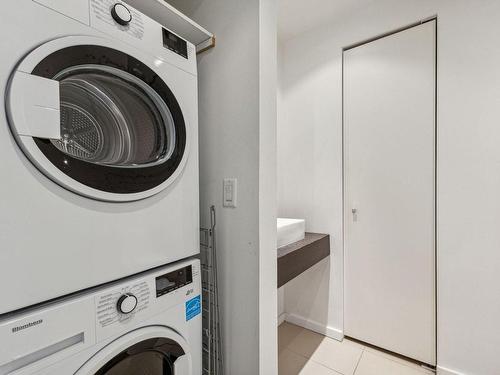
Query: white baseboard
point(281, 318)
point(446, 371)
point(312, 325)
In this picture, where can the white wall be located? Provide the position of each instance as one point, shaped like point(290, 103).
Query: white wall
point(237, 121)
point(310, 167)
point(280, 68)
point(268, 70)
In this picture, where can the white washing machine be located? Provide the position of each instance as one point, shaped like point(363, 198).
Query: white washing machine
point(149, 324)
point(98, 147)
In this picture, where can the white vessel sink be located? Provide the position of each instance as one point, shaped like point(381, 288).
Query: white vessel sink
point(290, 231)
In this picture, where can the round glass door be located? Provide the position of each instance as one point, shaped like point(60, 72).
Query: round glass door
point(155, 356)
point(122, 130)
point(111, 117)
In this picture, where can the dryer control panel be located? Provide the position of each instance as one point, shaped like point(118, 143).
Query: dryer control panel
point(120, 16)
point(123, 22)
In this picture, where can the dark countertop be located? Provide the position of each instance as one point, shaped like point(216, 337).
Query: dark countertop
point(299, 256)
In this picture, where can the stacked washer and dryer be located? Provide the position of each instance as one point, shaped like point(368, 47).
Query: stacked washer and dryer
point(99, 213)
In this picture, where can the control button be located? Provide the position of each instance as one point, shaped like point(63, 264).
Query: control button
point(126, 303)
point(121, 14)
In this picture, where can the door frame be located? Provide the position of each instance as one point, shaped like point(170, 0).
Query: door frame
point(345, 207)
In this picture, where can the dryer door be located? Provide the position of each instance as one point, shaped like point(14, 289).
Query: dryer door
point(97, 120)
point(150, 350)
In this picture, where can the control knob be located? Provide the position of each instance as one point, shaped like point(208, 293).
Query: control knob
point(121, 14)
point(126, 303)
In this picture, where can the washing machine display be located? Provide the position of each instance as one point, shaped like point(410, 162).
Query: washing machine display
point(173, 280)
point(120, 128)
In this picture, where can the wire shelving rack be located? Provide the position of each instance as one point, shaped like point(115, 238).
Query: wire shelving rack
point(212, 340)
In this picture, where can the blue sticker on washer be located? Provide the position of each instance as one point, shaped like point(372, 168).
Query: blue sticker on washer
point(193, 308)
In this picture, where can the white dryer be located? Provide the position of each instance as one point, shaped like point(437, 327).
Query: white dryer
point(98, 147)
point(149, 324)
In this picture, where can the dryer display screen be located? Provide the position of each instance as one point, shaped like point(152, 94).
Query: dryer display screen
point(174, 43)
point(173, 280)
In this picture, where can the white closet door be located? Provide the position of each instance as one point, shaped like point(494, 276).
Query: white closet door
point(389, 130)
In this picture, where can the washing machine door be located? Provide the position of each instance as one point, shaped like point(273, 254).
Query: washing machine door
point(98, 119)
point(152, 350)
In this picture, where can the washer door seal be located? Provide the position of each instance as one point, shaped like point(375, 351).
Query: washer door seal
point(154, 356)
point(156, 349)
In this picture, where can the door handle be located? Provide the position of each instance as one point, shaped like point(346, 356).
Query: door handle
point(354, 211)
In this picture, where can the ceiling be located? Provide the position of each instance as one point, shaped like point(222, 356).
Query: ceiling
point(298, 16)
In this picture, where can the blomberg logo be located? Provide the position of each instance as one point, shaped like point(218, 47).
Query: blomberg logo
point(28, 325)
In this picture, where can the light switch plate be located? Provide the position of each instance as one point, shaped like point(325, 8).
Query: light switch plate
point(230, 189)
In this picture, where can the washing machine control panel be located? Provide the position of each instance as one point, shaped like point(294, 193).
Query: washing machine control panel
point(121, 14)
point(173, 280)
point(123, 303)
point(128, 304)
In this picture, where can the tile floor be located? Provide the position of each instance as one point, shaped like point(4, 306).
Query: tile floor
point(307, 353)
